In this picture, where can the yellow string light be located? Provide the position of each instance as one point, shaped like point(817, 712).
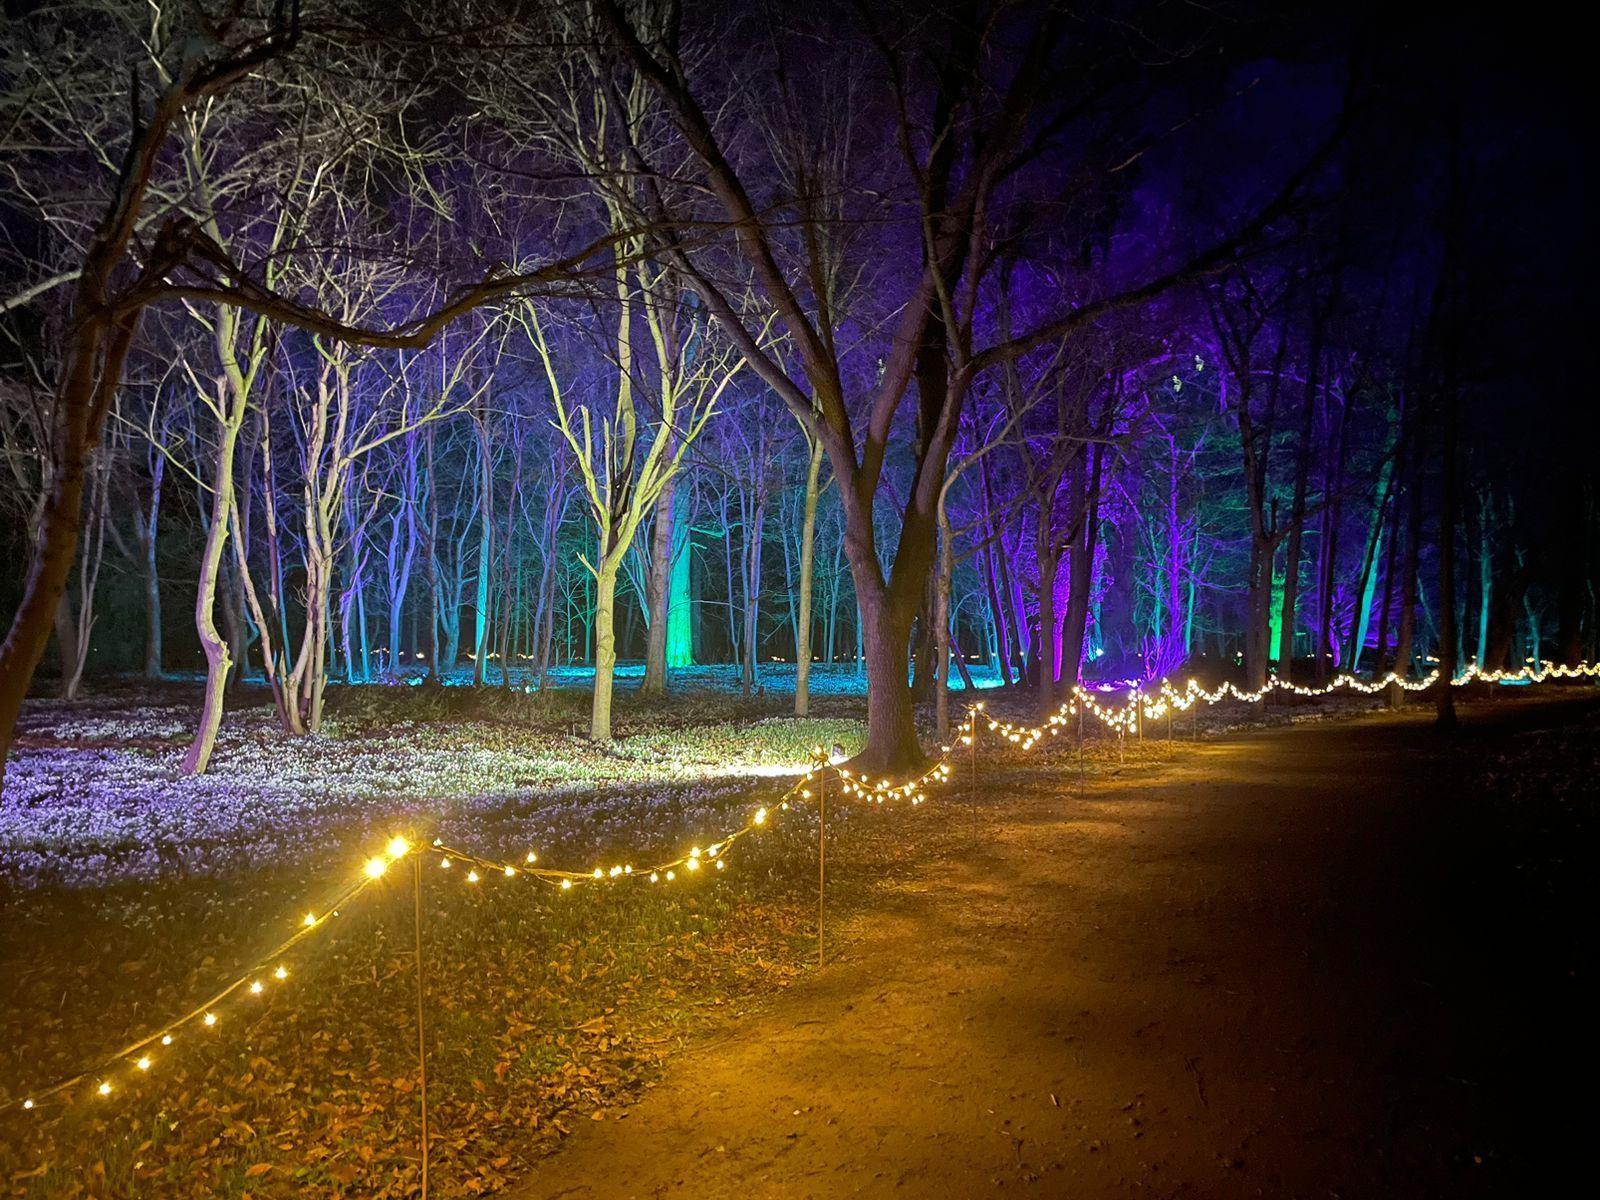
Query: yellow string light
point(204, 1014)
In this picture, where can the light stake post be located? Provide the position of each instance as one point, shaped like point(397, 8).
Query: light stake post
point(822, 854)
point(972, 781)
point(1080, 743)
point(422, 1042)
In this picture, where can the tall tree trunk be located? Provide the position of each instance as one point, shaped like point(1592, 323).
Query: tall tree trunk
point(751, 583)
point(808, 538)
point(66, 631)
point(148, 528)
point(1081, 573)
point(991, 552)
point(1445, 695)
point(891, 747)
point(1486, 595)
point(485, 551)
point(1047, 554)
point(658, 591)
point(231, 597)
point(212, 644)
point(1366, 583)
point(1297, 509)
point(605, 648)
point(1332, 513)
point(941, 618)
point(1405, 637)
point(680, 596)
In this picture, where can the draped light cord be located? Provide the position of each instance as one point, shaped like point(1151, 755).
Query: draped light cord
point(1165, 698)
point(272, 970)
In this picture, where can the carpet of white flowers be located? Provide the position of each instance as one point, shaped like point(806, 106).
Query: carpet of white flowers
point(94, 794)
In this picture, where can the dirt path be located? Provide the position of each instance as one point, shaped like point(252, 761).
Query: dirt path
point(1261, 972)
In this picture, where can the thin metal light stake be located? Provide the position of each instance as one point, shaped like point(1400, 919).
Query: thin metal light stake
point(972, 781)
point(422, 1042)
point(822, 855)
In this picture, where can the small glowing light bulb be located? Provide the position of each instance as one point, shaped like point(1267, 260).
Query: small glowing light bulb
point(444, 863)
point(166, 1039)
point(255, 987)
point(281, 973)
point(211, 1018)
point(375, 867)
point(510, 870)
point(398, 847)
point(693, 864)
point(105, 1089)
point(566, 885)
point(761, 816)
point(143, 1064)
point(532, 857)
point(27, 1104)
point(671, 875)
point(655, 877)
point(720, 864)
point(310, 920)
point(472, 877)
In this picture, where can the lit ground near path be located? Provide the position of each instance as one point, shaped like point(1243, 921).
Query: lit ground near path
point(1300, 962)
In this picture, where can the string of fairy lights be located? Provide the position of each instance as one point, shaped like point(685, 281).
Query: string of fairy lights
point(272, 971)
point(1149, 705)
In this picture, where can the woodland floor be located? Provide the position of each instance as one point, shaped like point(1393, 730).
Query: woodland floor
point(1334, 958)
point(1339, 959)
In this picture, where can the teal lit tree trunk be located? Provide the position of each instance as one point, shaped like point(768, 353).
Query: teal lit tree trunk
point(680, 606)
point(480, 641)
point(657, 598)
point(1485, 572)
point(1368, 586)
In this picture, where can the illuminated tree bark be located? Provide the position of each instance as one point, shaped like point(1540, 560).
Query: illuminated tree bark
point(803, 621)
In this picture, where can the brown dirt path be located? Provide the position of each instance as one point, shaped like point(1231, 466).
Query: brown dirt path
point(1260, 972)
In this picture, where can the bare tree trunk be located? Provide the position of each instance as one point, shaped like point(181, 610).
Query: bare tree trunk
point(808, 538)
point(1080, 567)
point(754, 543)
point(1297, 513)
point(891, 733)
point(941, 619)
point(91, 555)
point(1048, 555)
point(605, 650)
point(1445, 694)
point(147, 524)
point(231, 597)
point(991, 577)
point(1332, 512)
point(65, 627)
point(658, 586)
point(1406, 636)
point(212, 643)
point(480, 639)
